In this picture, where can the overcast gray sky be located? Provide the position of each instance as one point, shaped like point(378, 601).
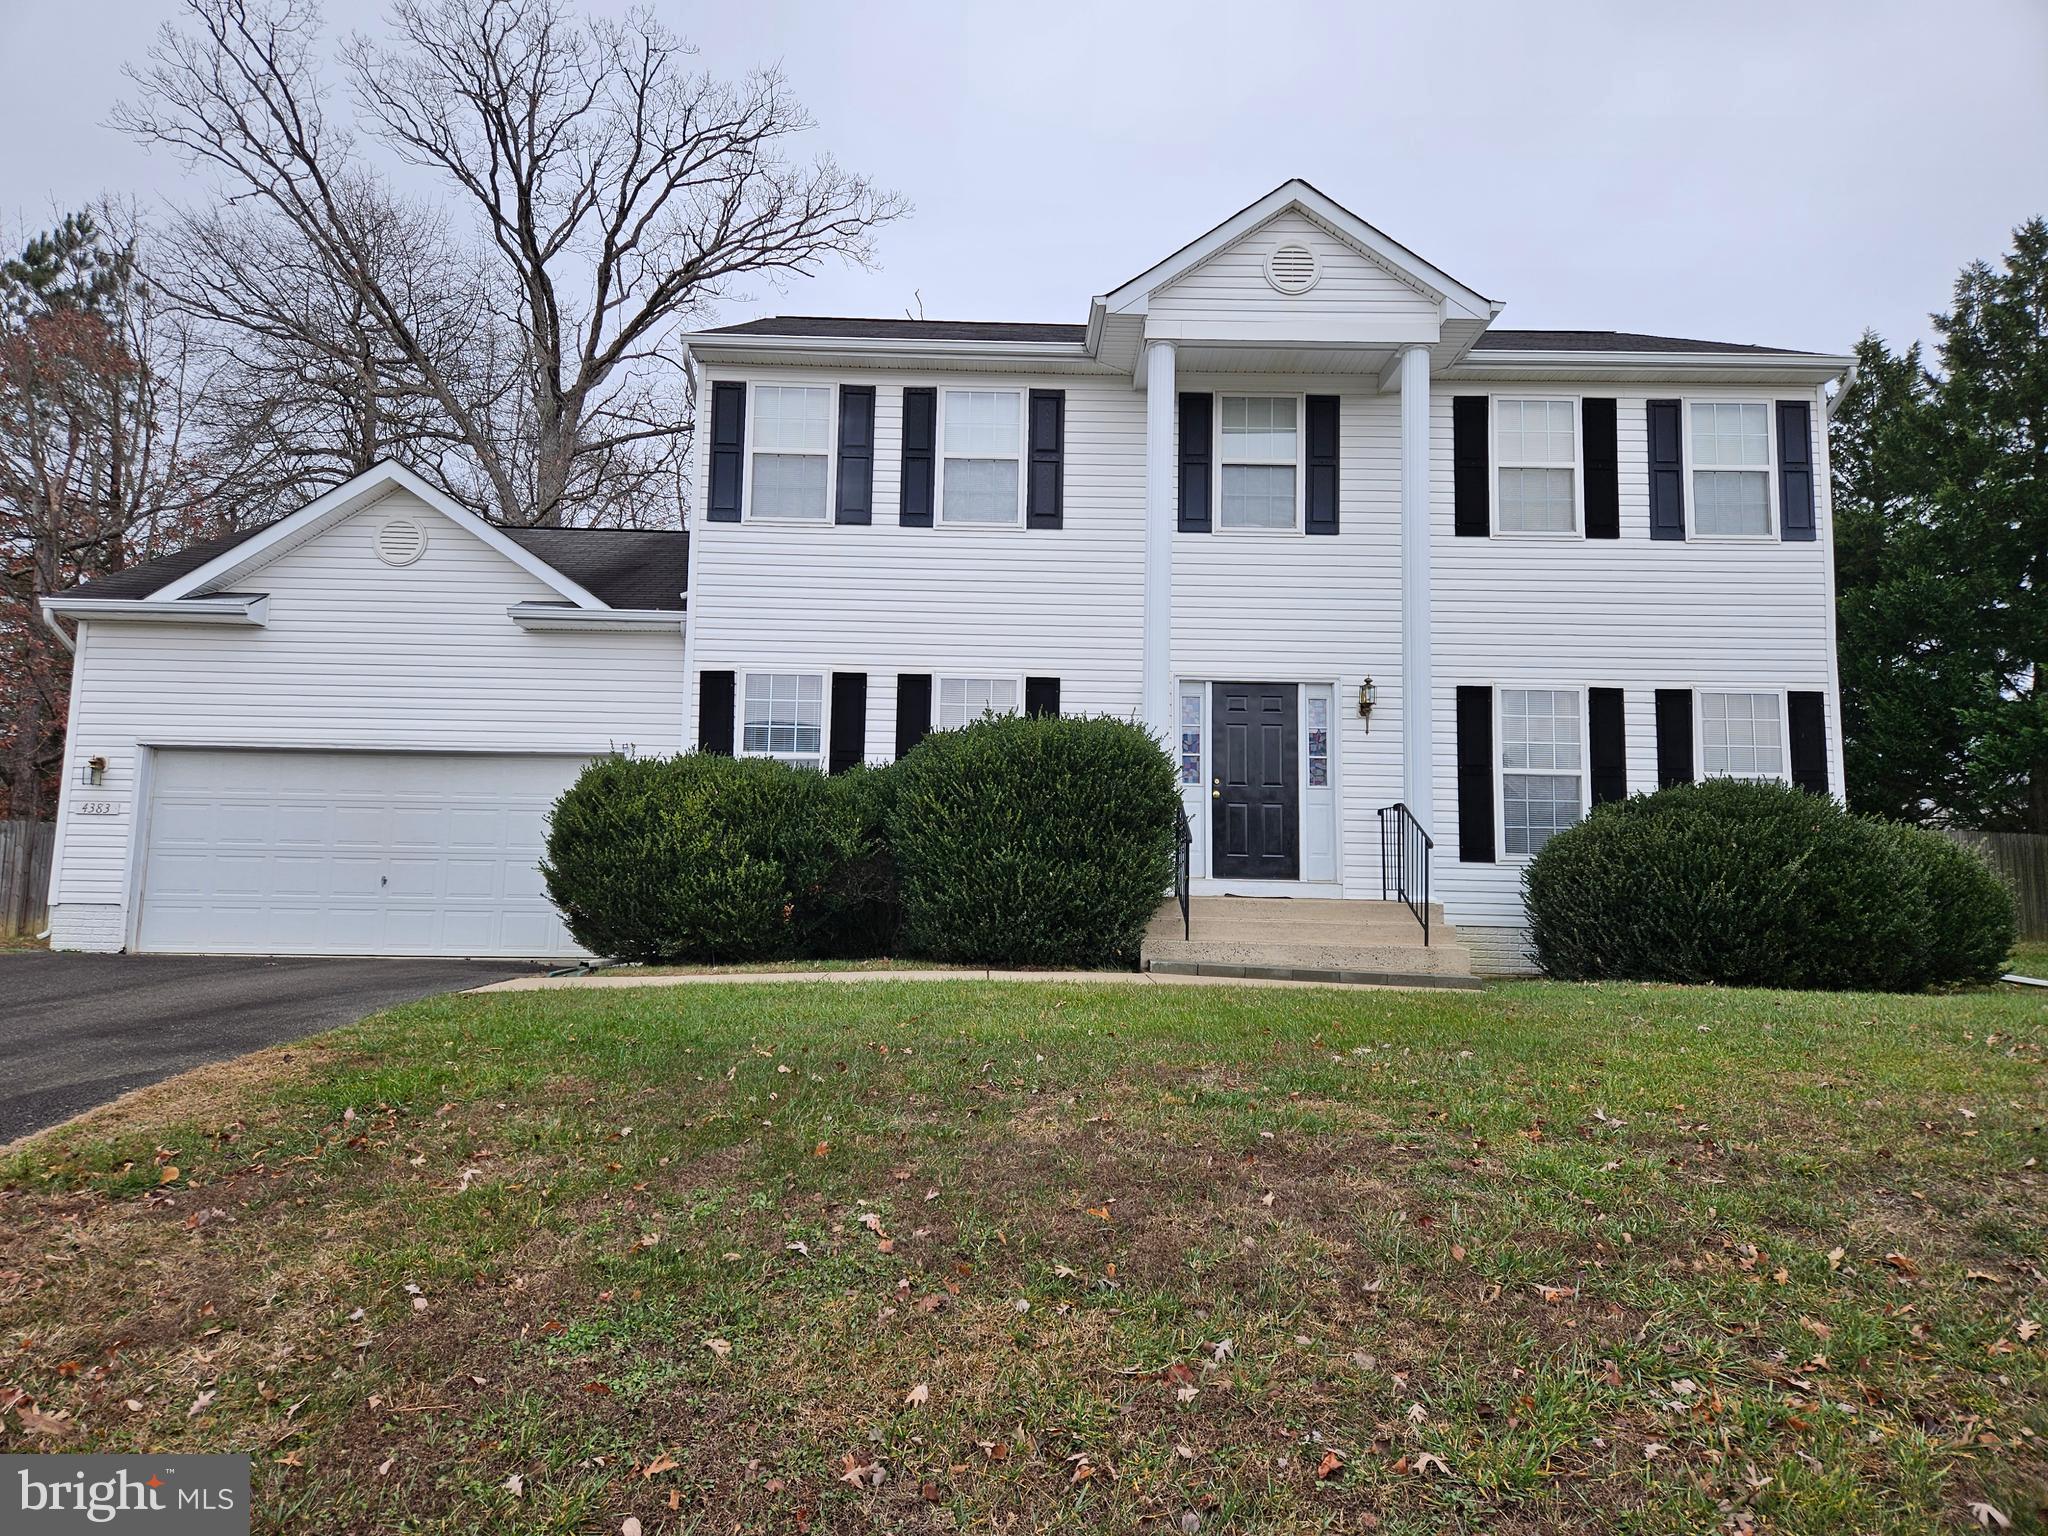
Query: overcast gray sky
point(1786, 173)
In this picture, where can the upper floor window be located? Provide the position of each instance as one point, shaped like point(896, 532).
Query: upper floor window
point(1537, 446)
point(1741, 736)
point(792, 452)
point(1542, 786)
point(964, 700)
point(1259, 462)
point(1731, 469)
point(783, 715)
point(982, 477)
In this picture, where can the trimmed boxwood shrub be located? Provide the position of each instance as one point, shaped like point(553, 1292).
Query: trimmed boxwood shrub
point(1024, 841)
point(1750, 884)
point(704, 857)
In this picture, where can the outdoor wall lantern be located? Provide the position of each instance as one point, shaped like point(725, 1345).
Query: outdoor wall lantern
point(96, 771)
point(1368, 696)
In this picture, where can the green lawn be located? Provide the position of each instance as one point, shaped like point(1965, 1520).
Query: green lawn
point(972, 1256)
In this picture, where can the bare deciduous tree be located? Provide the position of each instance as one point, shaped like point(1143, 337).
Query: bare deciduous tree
point(614, 191)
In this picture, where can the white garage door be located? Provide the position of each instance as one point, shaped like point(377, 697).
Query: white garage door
point(342, 853)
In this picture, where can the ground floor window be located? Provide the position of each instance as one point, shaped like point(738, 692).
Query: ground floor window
point(1741, 736)
point(964, 700)
point(783, 716)
point(1542, 785)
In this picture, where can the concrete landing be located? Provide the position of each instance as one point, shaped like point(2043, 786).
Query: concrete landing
point(1363, 943)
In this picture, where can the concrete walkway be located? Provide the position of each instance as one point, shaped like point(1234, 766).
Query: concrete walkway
point(600, 980)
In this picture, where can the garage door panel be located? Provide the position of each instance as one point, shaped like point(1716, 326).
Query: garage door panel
point(351, 853)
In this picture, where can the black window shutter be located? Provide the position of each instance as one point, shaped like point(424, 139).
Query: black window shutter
point(920, 444)
point(1607, 743)
point(1667, 470)
point(1197, 443)
point(714, 713)
point(913, 709)
point(1322, 464)
point(728, 451)
point(1471, 517)
point(1807, 734)
point(849, 743)
point(1603, 469)
point(1674, 737)
point(1795, 475)
point(1041, 696)
point(1475, 775)
point(856, 453)
point(1045, 483)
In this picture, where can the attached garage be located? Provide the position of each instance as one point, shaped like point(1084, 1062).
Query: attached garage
point(350, 853)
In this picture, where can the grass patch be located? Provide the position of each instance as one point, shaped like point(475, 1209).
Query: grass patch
point(2030, 959)
point(1627, 1258)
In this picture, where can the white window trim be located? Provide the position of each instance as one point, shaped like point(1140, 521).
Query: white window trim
point(739, 709)
point(831, 452)
point(1699, 730)
point(946, 390)
point(1495, 464)
point(1299, 462)
point(1770, 470)
point(1501, 769)
point(940, 679)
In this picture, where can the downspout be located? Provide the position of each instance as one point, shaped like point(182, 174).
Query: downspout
point(56, 627)
point(1848, 383)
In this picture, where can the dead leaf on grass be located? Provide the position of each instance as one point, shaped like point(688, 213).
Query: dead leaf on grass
point(917, 1396)
point(514, 1485)
point(1989, 1516)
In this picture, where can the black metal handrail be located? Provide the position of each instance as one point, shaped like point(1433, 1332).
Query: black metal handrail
point(1183, 859)
point(1404, 861)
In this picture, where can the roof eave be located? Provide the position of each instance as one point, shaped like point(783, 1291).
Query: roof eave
point(710, 347)
point(244, 609)
point(559, 617)
point(1816, 368)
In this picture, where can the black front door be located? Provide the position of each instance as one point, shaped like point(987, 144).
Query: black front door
point(1255, 797)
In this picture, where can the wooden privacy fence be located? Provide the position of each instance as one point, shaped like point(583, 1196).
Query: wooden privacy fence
point(25, 848)
point(2022, 857)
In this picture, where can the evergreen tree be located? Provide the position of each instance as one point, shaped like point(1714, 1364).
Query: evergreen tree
point(1941, 547)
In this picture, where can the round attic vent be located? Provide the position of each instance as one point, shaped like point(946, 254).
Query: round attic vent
point(401, 541)
point(1292, 268)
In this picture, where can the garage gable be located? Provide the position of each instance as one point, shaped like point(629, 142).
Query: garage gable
point(405, 512)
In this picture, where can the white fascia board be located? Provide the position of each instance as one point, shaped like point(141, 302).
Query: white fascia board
point(713, 350)
point(344, 501)
point(1339, 220)
point(1700, 367)
point(561, 617)
point(246, 610)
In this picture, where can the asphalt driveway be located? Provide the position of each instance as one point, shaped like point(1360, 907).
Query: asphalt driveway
point(78, 1030)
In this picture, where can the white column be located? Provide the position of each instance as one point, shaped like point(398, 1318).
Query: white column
point(1418, 778)
point(1162, 513)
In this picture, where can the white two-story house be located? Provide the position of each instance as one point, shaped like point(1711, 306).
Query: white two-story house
point(1291, 498)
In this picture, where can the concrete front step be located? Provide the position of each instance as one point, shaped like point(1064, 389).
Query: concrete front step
point(1363, 942)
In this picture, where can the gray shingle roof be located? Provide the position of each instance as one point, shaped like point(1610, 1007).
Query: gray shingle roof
point(623, 568)
point(832, 326)
point(1614, 341)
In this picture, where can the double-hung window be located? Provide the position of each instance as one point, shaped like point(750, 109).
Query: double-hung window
point(1741, 736)
point(1259, 465)
point(983, 473)
point(1542, 782)
point(783, 715)
point(1537, 444)
point(1731, 469)
point(792, 452)
point(964, 700)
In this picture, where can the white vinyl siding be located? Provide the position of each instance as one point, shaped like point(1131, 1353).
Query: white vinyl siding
point(1542, 761)
point(1730, 446)
point(782, 715)
point(792, 457)
point(964, 700)
point(981, 479)
point(1536, 445)
point(1259, 461)
point(1742, 736)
